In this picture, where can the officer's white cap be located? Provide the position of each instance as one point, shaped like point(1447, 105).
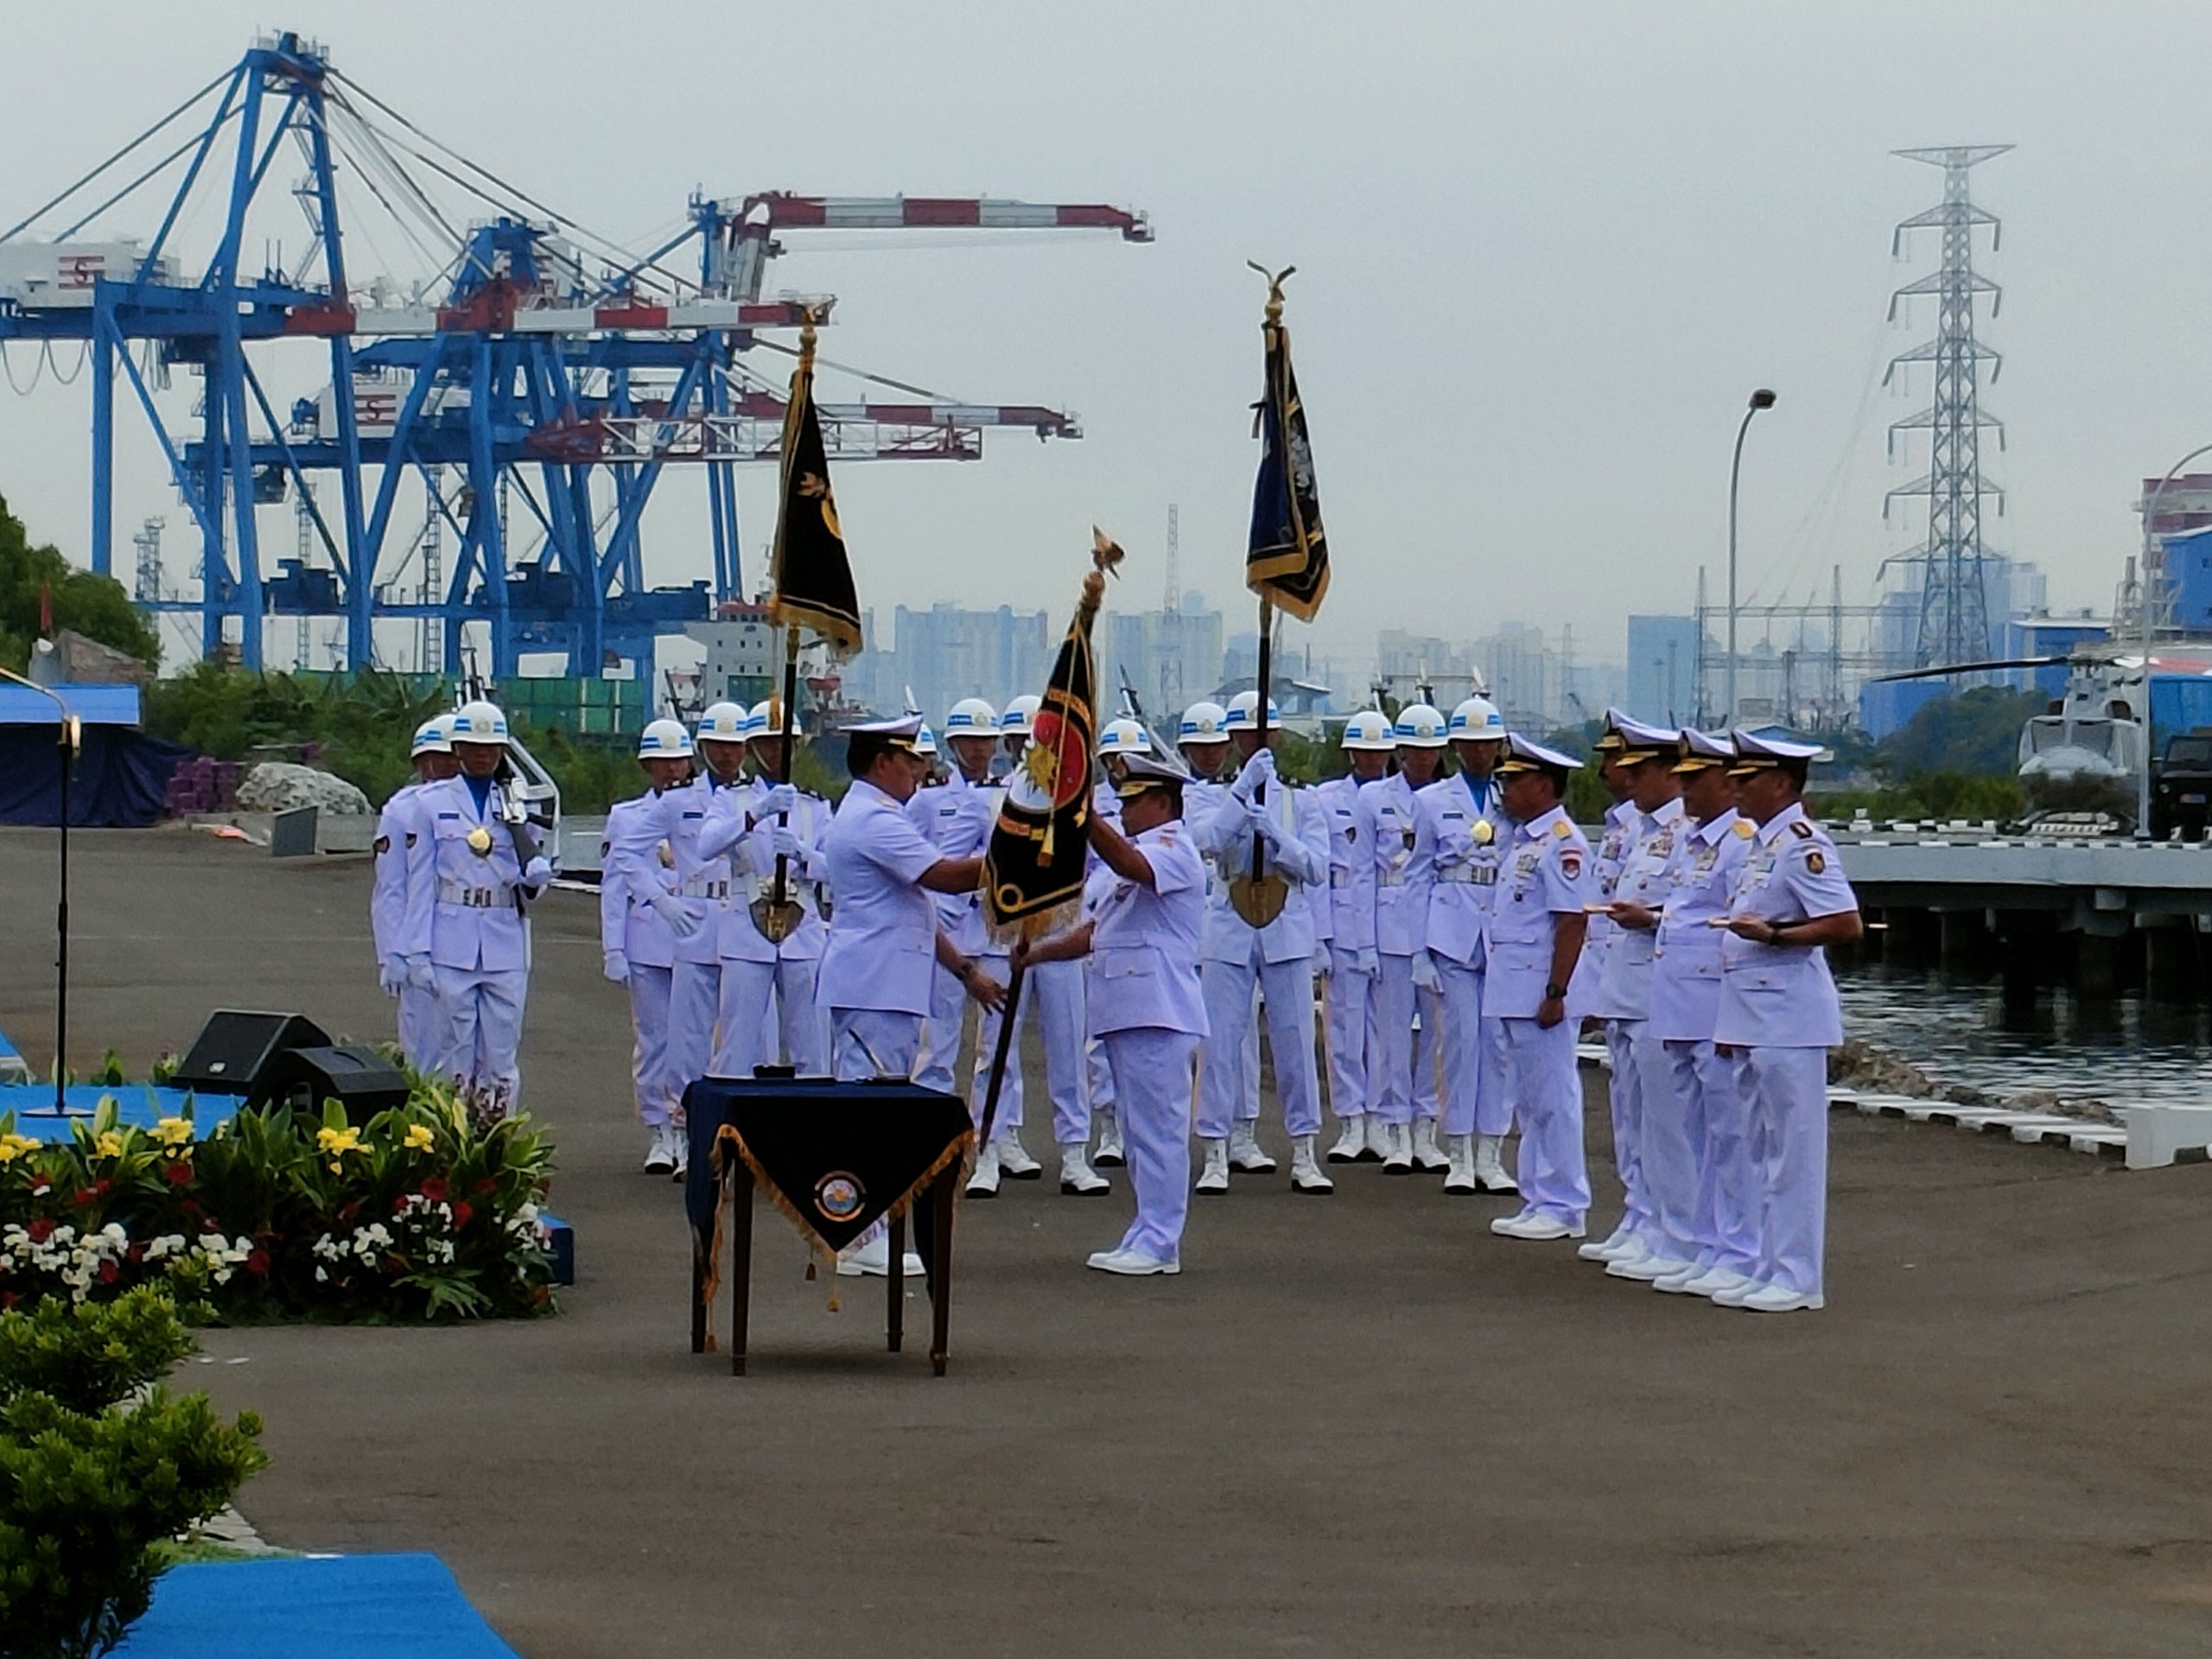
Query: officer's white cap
point(725, 723)
point(479, 722)
point(1368, 729)
point(1522, 754)
point(904, 733)
point(663, 739)
point(1419, 726)
point(1143, 772)
point(971, 717)
point(1756, 753)
point(1697, 751)
point(1640, 741)
point(1477, 721)
point(433, 736)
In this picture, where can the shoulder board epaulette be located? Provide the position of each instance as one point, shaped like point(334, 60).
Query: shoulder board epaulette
point(1743, 827)
point(1562, 829)
point(1802, 829)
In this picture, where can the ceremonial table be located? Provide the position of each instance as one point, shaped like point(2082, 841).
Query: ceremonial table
point(835, 1158)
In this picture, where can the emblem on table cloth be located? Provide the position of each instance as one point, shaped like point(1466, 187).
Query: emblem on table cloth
point(479, 842)
point(839, 1195)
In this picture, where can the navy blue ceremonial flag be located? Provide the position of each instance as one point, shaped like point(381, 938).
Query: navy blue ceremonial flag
point(812, 577)
point(1287, 559)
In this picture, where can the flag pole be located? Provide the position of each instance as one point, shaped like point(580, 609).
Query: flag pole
point(785, 716)
point(1267, 670)
point(1009, 1014)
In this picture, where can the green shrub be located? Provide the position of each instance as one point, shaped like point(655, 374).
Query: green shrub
point(90, 1492)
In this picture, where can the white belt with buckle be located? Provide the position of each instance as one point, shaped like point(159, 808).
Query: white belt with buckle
point(698, 887)
point(455, 893)
point(1472, 876)
point(1389, 878)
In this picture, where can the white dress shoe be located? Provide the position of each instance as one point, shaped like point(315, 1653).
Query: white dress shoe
point(872, 1260)
point(1620, 1244)
point(1649, 1267)
point(1306, 1174)
point(983, 1179)
point(1780, 1299)
point(1739, 1295)
point(1709, 1281)
point(1491, 1173)
point(1428, 1157)
point(660, 1152)
point(1683, 1283)
point(1460, 1177)
point(1131, 1263)
point(679, 1147)
point(1077, 1179)
point(1246, 1153)
point(1378, 1140)
point(911, 1265)
point(1214, 1177)
point(1014, 1161)
point(1351, 1143)
point(1398, 1150)
point(1534, 1224)
point(1109, 1154)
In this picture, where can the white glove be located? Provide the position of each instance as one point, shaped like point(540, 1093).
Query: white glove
point(1425, 977)
point(1263, 823)
point(1323, 959)
point(781, 798)
point(421, 975)
point(677, 914)
point(1259, 770)
point(538, 872)
point(1364, 961)
point(617, 967)
point(392, 974)
point(787, 843)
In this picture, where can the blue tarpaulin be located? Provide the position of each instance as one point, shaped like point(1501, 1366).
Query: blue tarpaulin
point(345, 1607)
point(93, 705)
point(121, 779)
point(137, 1104)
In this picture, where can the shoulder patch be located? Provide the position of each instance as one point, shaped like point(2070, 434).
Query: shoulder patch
point(1562, 829)
point(1814, 862)
point(1802, 829)
point(1570, 861)
point(1744, 829)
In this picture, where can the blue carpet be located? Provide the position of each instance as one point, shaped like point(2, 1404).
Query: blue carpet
point(139, 1104)
point(347, 1607)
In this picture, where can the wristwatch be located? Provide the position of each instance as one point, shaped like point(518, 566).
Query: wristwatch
point(1554, 992)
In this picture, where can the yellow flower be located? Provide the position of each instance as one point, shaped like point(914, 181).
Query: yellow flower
point(12, 1147)
point(337, 1168)
point(109, 1144)
point(173, 1131)
point(338, 1140)
point(419, 1137)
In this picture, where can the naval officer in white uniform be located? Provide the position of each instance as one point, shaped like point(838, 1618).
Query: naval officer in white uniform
point(1348, 998)
point(636, 945)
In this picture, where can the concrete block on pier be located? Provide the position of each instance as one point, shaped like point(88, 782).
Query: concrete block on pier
point(2158, 1136)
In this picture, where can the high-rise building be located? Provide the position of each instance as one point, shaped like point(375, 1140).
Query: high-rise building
point(948, 652)
point(1170, 658)
point(1662, 669)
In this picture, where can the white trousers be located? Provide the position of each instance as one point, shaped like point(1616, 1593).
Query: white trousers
point(1052, 997)
point(1538, 1067)
point(1786, 1093)
point(869, 1043)
point(422, 1029)
point(1666, 1140)
point(1348, 1032)
point(649, 1072)
point(694, 991)
point(1475, 1098)
point(1624, 1100)
point(1226, 1076)
point(941, 1033)
point(1152, 1092)
point(1726, 1213)
point(759, 998)
point(1410, 1062)
point(479, 1025)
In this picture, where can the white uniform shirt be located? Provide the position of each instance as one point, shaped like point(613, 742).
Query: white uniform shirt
point(1144, 945)
point(462, 906)
point(1781, 995)
point(1351, 865)
point(1460, 862)
point(1624, 974)
point(1300, 855)
point(1546, 876)
point(627, 922)
point(751, 852)
point(957, 817)
point(1686, 956)
point(1391, 827)
point(396, 826)
point(883, 942)
point(678, 817)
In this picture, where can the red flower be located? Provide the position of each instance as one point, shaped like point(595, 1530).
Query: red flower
point(137, 1251)
point(110, 1273)
point(256, 1261)
point(487, 1184)
point(179, 1173)
point(461, 1212)
point(41, 1230)
point(348, 1209)
point(84, 1196)
point(435, 1190)
point(188, 1206)
point(8, 1299)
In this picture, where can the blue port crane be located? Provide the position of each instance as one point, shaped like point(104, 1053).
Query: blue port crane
point(534, 363)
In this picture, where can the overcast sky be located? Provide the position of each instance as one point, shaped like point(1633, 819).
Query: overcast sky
point(1544, 251)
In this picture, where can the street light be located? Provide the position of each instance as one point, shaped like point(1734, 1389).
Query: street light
point(1760, 399)
point(71, 734)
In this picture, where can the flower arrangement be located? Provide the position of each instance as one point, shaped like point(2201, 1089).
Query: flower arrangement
point(432, 1211)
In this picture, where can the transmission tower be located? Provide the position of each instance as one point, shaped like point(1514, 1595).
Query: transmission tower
point(1954, 604)
point(148, 542)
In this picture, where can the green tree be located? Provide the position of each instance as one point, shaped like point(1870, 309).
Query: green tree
point(96, 607)
point(1976, 732)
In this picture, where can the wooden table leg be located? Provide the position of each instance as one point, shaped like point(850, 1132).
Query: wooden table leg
point(741, 1267)
point(945, 1195)
point(701, 1244)
point(894, 1313)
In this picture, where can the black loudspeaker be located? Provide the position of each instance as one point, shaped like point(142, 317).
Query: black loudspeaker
point(234, 1048)
point(353, 1074)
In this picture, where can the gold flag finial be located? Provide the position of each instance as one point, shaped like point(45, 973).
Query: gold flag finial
point(808, 315)
point(1275, 280)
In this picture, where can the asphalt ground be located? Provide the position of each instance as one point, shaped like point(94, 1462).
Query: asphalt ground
point(1353, 1425)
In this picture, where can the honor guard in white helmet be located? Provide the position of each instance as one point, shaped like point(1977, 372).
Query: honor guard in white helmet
point(771, 938)
point(464, 934)
point(956, 816)
point(1268, 843)
point(1402, 1068)
point(397, 827)
point(638, 948)
point(1349, 997)
point(1016, 721)
point(1537, 916)
point(1460, 829)
point(661, 840)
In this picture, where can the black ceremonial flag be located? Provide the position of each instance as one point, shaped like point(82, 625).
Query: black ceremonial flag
point(813, 580)
point(1035, 864)
point(1286, 561)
